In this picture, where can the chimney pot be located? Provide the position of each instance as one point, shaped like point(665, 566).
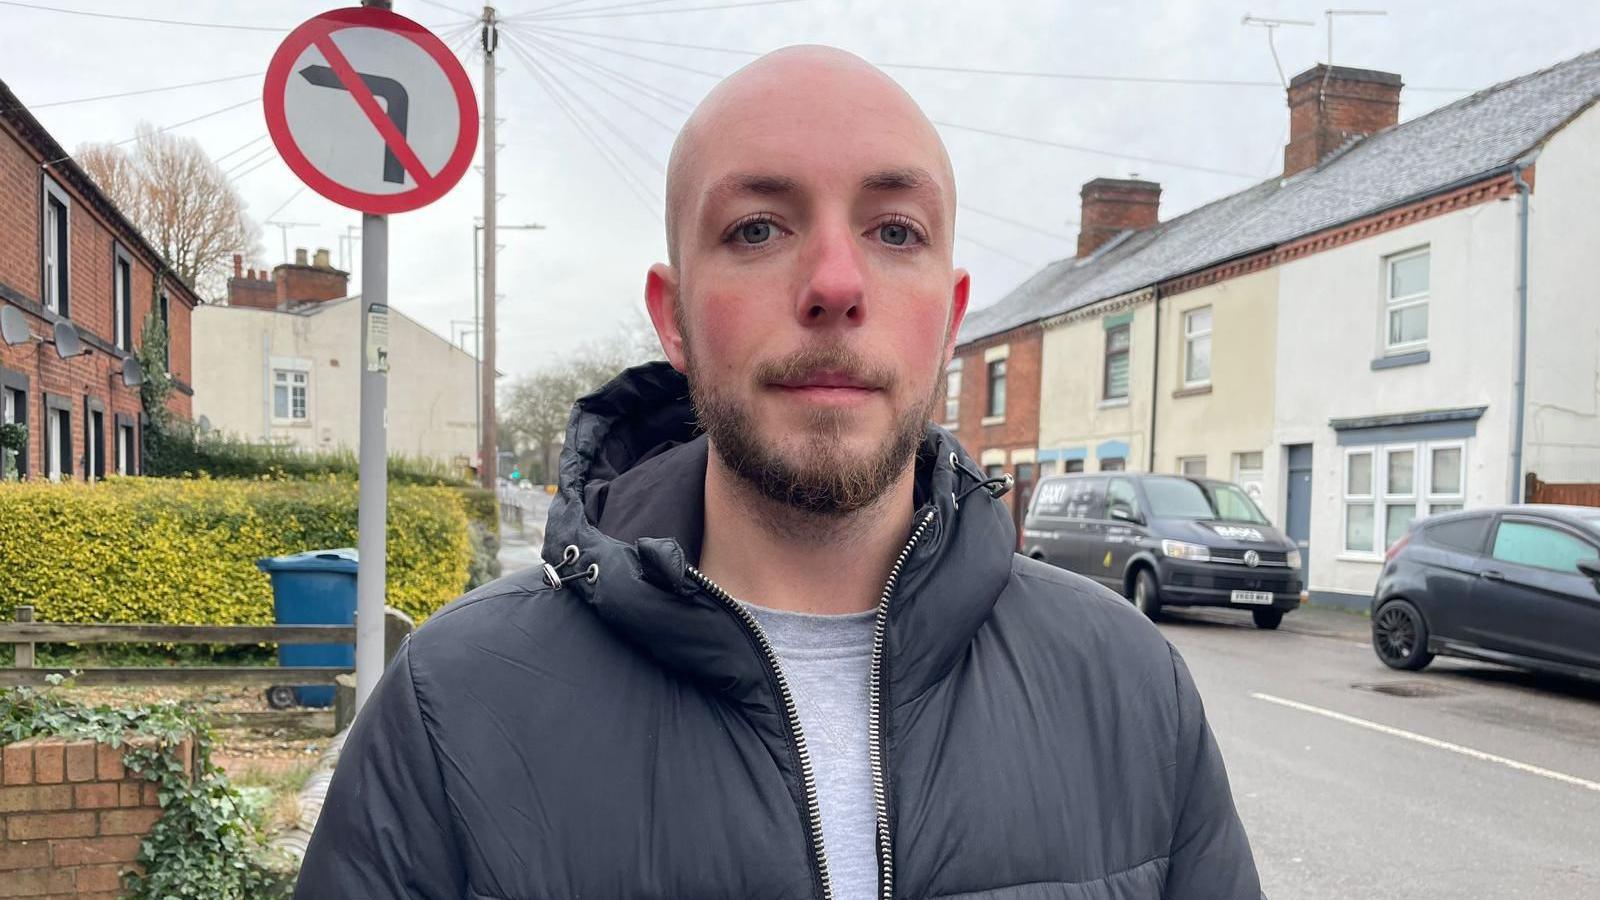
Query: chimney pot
point(252, 276)
point(1329, 105)
point(299, 256)
point(321, 259)
point(1114, 205)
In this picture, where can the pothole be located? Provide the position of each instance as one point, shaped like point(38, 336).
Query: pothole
point(1409, 689)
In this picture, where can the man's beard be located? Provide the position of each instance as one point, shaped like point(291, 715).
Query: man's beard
point(814, 474)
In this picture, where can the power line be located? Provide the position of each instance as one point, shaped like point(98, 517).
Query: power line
point(274, 214)
point(448, 8)
point(1017, 222)
point(621, 134)
point(258, 165)
point(629, 179)
point(998, 252)
point(247, 160)
point(101, 15)
point(679, 104)
point(545, 9)
point(648, 59)
point(1096, 151)
point(637, 40)
point(558, 56)
point(248, 143)
point(661, 12)
point(596, 9)
point(154, 90)
point(165, 128)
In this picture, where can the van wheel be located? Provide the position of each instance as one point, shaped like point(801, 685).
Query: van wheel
point(1267, 619)
point(1146, 595)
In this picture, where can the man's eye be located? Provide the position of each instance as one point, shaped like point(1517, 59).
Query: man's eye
point(754, 232)
point(895, 234)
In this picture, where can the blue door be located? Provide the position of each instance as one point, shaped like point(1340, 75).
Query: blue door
point(1297, 518)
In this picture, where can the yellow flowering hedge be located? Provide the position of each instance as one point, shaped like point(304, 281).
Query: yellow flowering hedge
point(185, 551)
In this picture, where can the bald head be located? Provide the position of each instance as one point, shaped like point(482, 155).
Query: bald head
point(784, 100)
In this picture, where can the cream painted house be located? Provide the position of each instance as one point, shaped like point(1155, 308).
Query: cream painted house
point(292, 374)
point(1096, 419)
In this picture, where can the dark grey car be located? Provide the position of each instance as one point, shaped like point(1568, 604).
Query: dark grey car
point(1166, 540)
point(1518, 585)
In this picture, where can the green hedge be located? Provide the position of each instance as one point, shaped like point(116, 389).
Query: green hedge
point(178, 451)
point(184, 551)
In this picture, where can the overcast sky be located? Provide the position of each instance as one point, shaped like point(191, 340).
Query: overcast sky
point(582, 278)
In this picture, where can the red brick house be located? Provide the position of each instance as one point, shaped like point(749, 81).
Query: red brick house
point(69, 260)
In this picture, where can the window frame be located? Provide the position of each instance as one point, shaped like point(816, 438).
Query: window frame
point(1191, 337)
point(1393, 304)
point(288, 384)
point(55, 294)
point(1116, 463)
point(166, 330)
point(121, 297)
point(952, 393)
point(57, 447)
point(1536, 522)
point(1185, 461)
point(1370, 499)
point(15, 391)
point(1381, 498)
point(1126, 331)
point(996, 371)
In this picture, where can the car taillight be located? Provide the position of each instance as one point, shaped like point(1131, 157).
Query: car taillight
point(1397, 546)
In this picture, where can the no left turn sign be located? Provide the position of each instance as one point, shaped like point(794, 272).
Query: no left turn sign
point(371, 110)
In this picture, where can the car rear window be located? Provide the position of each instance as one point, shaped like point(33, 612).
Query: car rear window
point(1465, 535)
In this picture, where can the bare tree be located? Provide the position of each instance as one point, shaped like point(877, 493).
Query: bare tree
point(181, 200)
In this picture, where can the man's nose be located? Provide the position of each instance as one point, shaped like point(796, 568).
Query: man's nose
point(835, 289)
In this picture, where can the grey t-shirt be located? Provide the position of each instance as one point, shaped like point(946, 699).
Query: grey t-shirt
point(826, 660)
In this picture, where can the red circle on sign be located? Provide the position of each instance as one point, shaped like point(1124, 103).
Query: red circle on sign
point(427, 190)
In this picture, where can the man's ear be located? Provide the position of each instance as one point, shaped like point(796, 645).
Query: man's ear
point(958, 309)
point(661, 299)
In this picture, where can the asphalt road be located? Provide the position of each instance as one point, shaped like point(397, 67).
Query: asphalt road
point(1355, 780)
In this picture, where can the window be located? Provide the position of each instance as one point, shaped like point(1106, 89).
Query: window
point(166, 333)
point(1542, 547)
point(952, 392)
point(13, 411)
point(1113, 464)
point(1192, 466)
point(1247, 473)
point(1197, 347)
point(54, 233)
point(58, 458)
point(94, 444)
point(1465, 534)
point(1118, 341)
point(1406, 301)
point(289, 395)
point(1073, 465)
point(125, 450)
point(997, 388)
point(1121, 495)
point(122, 300)
point(994, 471)
point(1386, 488)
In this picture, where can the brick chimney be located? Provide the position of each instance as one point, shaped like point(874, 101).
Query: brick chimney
point(1114, 205)
point(1330, 105)
point(309, 283)
point(245, 289)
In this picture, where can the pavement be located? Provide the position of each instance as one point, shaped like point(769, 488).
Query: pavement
point(1356, 780)
point(522, 540)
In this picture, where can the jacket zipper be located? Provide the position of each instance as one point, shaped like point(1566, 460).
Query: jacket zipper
point(877, 734)
point(813, 807)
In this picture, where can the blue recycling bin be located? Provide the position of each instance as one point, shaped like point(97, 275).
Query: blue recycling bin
point(317, 587)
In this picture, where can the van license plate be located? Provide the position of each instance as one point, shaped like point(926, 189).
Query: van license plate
point(1256, 598)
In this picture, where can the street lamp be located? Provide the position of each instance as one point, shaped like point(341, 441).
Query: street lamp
point(477, 338)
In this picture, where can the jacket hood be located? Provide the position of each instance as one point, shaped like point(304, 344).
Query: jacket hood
point(626, 523)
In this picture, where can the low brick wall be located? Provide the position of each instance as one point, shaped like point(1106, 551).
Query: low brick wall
point(72, 818)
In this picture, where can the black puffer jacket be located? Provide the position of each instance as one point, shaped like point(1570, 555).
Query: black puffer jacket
point(626, 736)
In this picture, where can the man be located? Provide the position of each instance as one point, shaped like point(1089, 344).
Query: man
point(788, 653)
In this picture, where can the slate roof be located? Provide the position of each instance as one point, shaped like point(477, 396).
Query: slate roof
point(1473, 137)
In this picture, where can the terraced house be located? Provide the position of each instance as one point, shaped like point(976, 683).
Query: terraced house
point(77, 282)
point(1347, 339)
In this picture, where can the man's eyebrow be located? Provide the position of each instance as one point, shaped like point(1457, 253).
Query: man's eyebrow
point(908, 179)
point(752, 183)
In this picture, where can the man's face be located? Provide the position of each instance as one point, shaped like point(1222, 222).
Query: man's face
point(814, 300)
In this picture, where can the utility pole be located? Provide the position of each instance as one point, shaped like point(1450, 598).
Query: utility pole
point(489, 449)
point(477, 314)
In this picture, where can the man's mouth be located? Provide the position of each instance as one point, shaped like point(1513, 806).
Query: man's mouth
point(834, 388)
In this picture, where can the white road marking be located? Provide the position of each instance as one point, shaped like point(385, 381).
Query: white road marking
point(1433, 742)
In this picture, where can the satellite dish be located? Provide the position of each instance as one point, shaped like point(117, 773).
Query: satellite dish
point(14, 326)
point(132, 372)
point(68, 344)
point(204, 424)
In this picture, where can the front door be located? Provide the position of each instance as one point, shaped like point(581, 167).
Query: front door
point(1297, 511)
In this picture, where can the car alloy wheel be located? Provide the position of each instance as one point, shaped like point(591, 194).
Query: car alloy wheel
point(1400, 637)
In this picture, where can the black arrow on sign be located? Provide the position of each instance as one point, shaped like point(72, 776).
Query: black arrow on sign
point(395, 99)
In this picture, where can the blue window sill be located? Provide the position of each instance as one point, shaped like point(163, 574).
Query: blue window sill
point(1402, 359)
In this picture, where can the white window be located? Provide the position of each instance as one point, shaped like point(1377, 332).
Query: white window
point(59, 437)
point(1247, 473)
point(1192, 466)
point(13, 411)
point(55, 231)
point(1406, 302)
point(1197, 347)
point(124, 449)
point(1118, 342)
point(1388, 487)
point(289, 395)
point(952, 392)
point(122, 301)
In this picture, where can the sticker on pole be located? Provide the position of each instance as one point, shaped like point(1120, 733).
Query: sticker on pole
point(371, 110)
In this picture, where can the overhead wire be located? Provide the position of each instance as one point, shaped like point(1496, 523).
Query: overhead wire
point(1017, 222)
point(154, 90)
point(621, 134)
point(662, 12)
point(272, 215)
point(257, 139)
point(261, 164)
point(247, 160)
point(1098, 152)
point(557, 56)
point(998, 252)
point(103, 15)
point(678, 103)
point(598, 9)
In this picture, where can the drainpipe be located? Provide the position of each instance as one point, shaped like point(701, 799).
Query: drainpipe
point(1155, 377)
point(1523, 190)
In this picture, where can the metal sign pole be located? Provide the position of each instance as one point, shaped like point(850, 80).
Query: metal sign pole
point(374, 474)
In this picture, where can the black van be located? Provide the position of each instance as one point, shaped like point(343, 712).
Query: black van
point(1166, 540)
